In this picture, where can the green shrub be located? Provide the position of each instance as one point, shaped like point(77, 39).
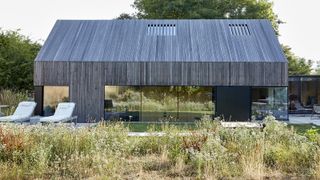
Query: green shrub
point(286, 150)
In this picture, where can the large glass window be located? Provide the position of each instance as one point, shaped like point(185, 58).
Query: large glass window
point(52, 95)
point(309, 93)
point(303, 94)
point(122, 103)
point(157, 103)
point(269, 101)
point(194, 102)
point(294, 96)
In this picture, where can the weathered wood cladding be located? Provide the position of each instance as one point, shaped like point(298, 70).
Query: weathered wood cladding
point(87, 90)
point(258, 74)
point(163, 73)
point(194, 41)
point(51, 73)
point(86, 80)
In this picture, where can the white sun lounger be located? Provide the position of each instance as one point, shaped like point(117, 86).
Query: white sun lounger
point(22, 113)
point(63, 113)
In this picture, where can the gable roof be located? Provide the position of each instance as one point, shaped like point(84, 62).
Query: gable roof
point(162, 40)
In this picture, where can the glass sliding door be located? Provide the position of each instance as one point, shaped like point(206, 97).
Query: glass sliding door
point(52, 95)
point(269, 101)
point(122, 103)
point(159, 103)
point(195, 102)
point(294, 93)
point(309, 93)
point(303, 94)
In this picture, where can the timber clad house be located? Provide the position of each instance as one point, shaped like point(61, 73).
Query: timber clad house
point(153, 70)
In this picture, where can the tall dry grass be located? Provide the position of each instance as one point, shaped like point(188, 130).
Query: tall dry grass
point(12, 99)
point(209, 152)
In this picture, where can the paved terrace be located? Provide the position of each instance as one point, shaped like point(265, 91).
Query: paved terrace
point(293, 119)
point(304, 119)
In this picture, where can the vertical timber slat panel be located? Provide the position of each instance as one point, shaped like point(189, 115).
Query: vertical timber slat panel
point(87, 90)
point(86, 80)
point(38, 73)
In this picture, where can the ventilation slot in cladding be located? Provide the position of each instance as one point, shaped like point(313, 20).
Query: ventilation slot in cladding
point(161, 30)
point(239, 29)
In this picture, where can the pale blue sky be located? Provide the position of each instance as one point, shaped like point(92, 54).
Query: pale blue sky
point(36, 18)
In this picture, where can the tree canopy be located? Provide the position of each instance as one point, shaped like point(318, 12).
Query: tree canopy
point(317, 70)
point(297, 65)
point(204, 9)
point(126, 16)
point(17, 53)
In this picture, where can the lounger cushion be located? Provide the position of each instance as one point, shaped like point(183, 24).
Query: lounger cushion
point(54, 119)
point(63, 113)
point(65, 109)
point(22, 113)
point(14, 118)
point(25, 109)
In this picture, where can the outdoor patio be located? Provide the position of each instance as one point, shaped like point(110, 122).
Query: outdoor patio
point(293, 119)
point(304, 119)
point(296, 119)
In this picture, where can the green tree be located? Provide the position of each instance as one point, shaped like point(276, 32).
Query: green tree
point(317, 70)
point(126, 16)
point(17, 53)
point(297, 65)
point(206, 9)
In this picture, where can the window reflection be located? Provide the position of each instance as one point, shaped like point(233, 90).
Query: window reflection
point(52, 95)
point(122, 103)
point(294, 96)
point(194, 102)
point(158, 103)
point(269, 101)
point(309, 93)
point(303, 94)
